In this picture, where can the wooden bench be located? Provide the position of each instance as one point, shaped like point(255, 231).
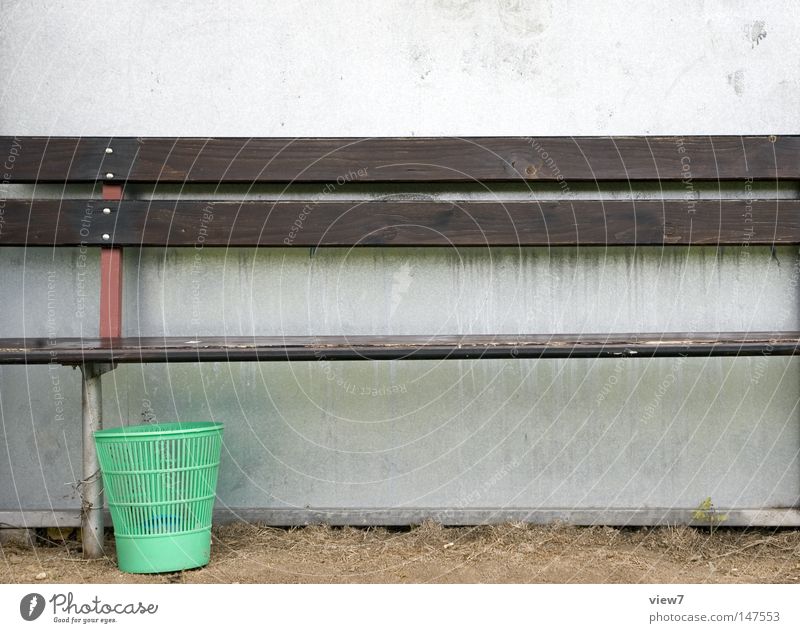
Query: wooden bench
point(112, 221)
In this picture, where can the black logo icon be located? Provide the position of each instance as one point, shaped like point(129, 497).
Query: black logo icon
point(31, 606)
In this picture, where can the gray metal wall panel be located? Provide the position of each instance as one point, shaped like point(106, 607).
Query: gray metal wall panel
point(413, 290)
point(43, 292)
point(456, 70)
point(467, 434)
point(491, 433)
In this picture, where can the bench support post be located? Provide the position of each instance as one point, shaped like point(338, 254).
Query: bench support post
point(92, 397)
point(111, 279)
point(92, 485)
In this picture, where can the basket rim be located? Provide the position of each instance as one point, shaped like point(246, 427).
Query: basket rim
point(157, 430)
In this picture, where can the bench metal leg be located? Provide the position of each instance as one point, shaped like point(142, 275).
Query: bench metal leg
point(92, 486)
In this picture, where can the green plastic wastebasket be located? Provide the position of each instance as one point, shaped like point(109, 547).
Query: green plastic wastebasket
point(160, 481)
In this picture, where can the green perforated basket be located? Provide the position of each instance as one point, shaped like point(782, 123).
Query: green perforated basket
point(160, 481)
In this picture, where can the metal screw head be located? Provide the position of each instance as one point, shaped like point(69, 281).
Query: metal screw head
point(106, 210)
point(109, 150)
point(109, 175)
point(106, 236)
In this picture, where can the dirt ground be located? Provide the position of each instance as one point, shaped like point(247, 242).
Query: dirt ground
point(431, 553)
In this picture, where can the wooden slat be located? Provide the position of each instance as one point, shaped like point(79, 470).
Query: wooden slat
point(400, 223)
point(62, 158)
point(300, 348)
point(328, 160)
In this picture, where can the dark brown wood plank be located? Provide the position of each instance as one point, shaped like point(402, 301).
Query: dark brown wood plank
point(63, 159)
point(335, 161)
point(400, 223)
point(301, 348)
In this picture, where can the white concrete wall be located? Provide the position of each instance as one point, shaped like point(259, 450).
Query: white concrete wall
point(490, 434)
point(446, 67)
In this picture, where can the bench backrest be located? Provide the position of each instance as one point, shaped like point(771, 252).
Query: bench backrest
point(628, 162)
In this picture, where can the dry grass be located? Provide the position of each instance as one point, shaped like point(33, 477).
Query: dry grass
point(432, 553)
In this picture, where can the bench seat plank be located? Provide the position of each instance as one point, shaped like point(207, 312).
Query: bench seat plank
point(419, 159)
point(400, 223)
point(364, 347)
